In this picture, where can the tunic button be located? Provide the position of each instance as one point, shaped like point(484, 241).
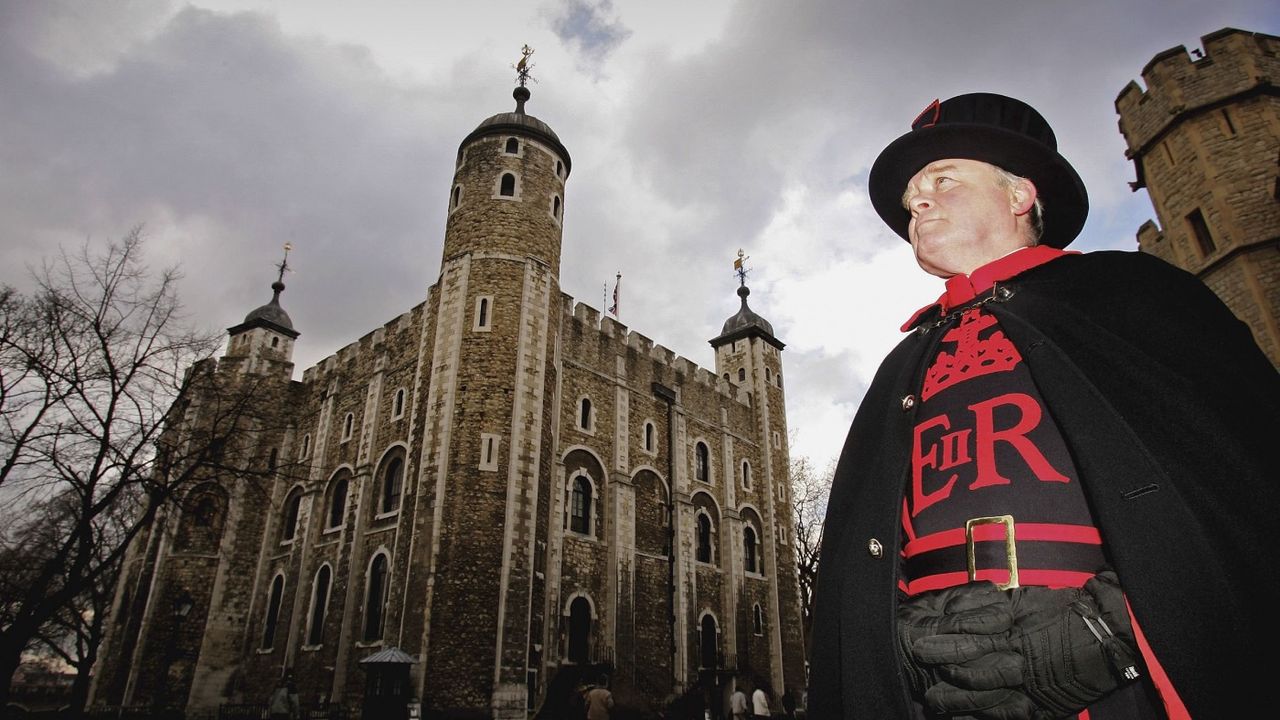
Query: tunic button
point(875, 548)
point(908, 402)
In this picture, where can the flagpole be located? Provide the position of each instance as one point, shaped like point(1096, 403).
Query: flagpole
point(617, 294)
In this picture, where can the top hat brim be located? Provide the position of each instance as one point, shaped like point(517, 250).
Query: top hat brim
point(1065, 201)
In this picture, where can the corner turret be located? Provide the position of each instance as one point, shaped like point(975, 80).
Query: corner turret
point(263, 343)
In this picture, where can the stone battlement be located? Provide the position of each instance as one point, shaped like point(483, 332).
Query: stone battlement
point(1234, 62)
point(618, 339)
point(370, 342)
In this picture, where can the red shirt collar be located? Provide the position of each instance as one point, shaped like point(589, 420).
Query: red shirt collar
point(963, 288)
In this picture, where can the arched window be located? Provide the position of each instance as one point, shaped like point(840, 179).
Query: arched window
point(742, 374)
point(555, 207)
point(203, 513)
point(348, 425)
point(375, 597)
point(559, 169)
point(580, 514)
point(768, 374)
point(513, 146)
point(749, 551)
point(746, 474)
point(289, 522)
point(457, 197)
point(337, 504)
point(319, 605)
point(757, 620)
point(306, 446)
point(777, 380)
point(273, 458)
point(273, 613)
point(584, 414)
point(650, 441)
point(702, 463)
point(397, 405)
point(579, 630)
point(704, 539)
point(391, 486)
point(709, 645)
point(508, 186)
point(726, 377)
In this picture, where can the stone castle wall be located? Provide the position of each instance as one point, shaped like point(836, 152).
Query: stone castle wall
point(1205, 138)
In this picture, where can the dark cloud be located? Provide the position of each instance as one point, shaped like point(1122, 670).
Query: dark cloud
point(228, 139)
point(590, 27)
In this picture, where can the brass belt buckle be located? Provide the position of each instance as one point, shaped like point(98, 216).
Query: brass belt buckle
point(1010, 549)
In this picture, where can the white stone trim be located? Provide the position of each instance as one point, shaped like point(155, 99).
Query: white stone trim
point(482, 321)
point(401, 396)
point(490, 447)
point(311, 607)
point(516, 191)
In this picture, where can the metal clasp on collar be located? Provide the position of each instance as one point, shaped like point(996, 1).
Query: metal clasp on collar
point(1010, 548)
point(999, 293)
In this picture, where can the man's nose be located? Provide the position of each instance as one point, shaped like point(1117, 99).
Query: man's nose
point(919, 203)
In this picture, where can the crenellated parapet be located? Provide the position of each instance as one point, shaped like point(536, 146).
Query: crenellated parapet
point(1234, 63)
point(609, 338)
point(367, 349)
point(1204, 138)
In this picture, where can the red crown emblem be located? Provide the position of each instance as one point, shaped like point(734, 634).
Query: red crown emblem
point(973, 356)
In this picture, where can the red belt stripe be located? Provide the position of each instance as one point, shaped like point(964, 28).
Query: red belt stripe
point(1085, 534)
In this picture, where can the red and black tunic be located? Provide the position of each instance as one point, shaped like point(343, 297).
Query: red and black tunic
point(985, 446)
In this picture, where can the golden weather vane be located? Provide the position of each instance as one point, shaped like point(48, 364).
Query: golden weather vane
point(740, 266)
point(283, 265)
point(523, 67)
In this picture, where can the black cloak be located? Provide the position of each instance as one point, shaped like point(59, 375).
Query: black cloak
point(1172, 415)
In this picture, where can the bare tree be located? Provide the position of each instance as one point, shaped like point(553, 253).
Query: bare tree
point(72, 637)
point(93, 375)
point(810, 488)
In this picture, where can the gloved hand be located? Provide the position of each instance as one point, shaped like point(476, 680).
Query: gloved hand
point(955, 625)
point(1077, 643)
point(970, 665)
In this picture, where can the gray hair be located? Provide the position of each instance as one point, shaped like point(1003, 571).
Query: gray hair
point(1008, 180)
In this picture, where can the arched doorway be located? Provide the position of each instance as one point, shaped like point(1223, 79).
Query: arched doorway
point(579, 630)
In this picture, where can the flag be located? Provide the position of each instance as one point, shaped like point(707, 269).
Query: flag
point(616, 285)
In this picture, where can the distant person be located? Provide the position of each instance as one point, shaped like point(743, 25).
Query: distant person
point(599, 701)
point(759, 703)
point(284, 703)
point(738, 704)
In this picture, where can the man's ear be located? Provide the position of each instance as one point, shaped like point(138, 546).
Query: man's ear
point(1022, 196)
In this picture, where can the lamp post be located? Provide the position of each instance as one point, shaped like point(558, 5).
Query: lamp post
point(179, 610)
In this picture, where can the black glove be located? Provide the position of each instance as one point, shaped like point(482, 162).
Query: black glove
point(960, 703)
point(972, 674)
point(965, 622)
point(1077, 643)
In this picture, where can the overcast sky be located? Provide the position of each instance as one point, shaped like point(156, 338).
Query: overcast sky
point(696, 127)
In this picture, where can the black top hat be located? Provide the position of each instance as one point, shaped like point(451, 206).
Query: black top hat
point(1000, 130)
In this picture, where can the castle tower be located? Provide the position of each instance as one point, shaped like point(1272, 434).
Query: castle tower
point(749, 356)
point(1205, 141)
point(263, 343)
point(489, 409)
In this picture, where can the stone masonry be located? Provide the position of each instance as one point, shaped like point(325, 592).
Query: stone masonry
point(500, 483)
point(1205, 140)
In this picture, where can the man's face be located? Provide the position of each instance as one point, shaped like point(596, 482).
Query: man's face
point(962, 216)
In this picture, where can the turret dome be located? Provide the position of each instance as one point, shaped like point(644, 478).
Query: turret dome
point(270, 315)
point(520, 123)
point(745, 324)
